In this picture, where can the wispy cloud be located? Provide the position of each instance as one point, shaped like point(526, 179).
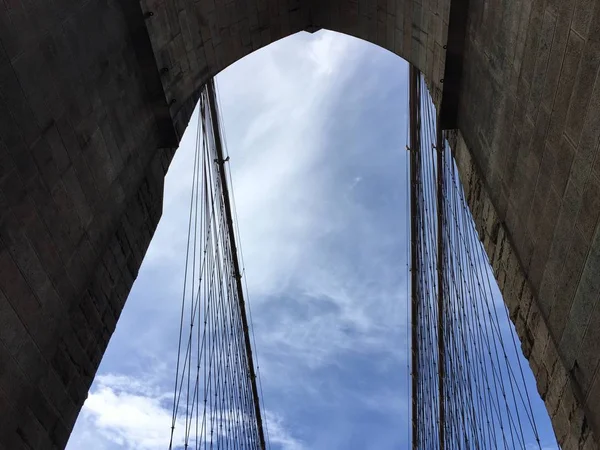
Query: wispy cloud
point(130, 413)
point(278, 433)
point(124, 412)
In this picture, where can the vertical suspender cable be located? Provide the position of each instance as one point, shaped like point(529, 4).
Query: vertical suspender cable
point(440, 281)
point(414, 171)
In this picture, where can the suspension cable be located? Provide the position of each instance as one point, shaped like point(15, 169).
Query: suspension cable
point(467, 391)
point(216, 401)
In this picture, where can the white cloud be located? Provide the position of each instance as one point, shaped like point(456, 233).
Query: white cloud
point(278, 434)
point(125, 412)
point(131, 413)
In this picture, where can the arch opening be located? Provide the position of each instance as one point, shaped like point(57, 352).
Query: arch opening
point(320, 198)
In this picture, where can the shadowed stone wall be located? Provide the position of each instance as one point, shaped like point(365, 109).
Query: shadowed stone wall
point(85, 140)
point(95, 96)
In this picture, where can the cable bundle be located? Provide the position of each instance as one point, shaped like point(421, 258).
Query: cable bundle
point(468, 386)
point(216, 401)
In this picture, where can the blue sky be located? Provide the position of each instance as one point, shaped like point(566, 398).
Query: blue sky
point(316, 129)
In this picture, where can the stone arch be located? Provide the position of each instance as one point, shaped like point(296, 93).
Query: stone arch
point(95, 95)
point(193, 41)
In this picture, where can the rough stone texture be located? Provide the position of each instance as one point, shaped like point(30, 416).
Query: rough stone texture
point(85, 141)
point(95, 95)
